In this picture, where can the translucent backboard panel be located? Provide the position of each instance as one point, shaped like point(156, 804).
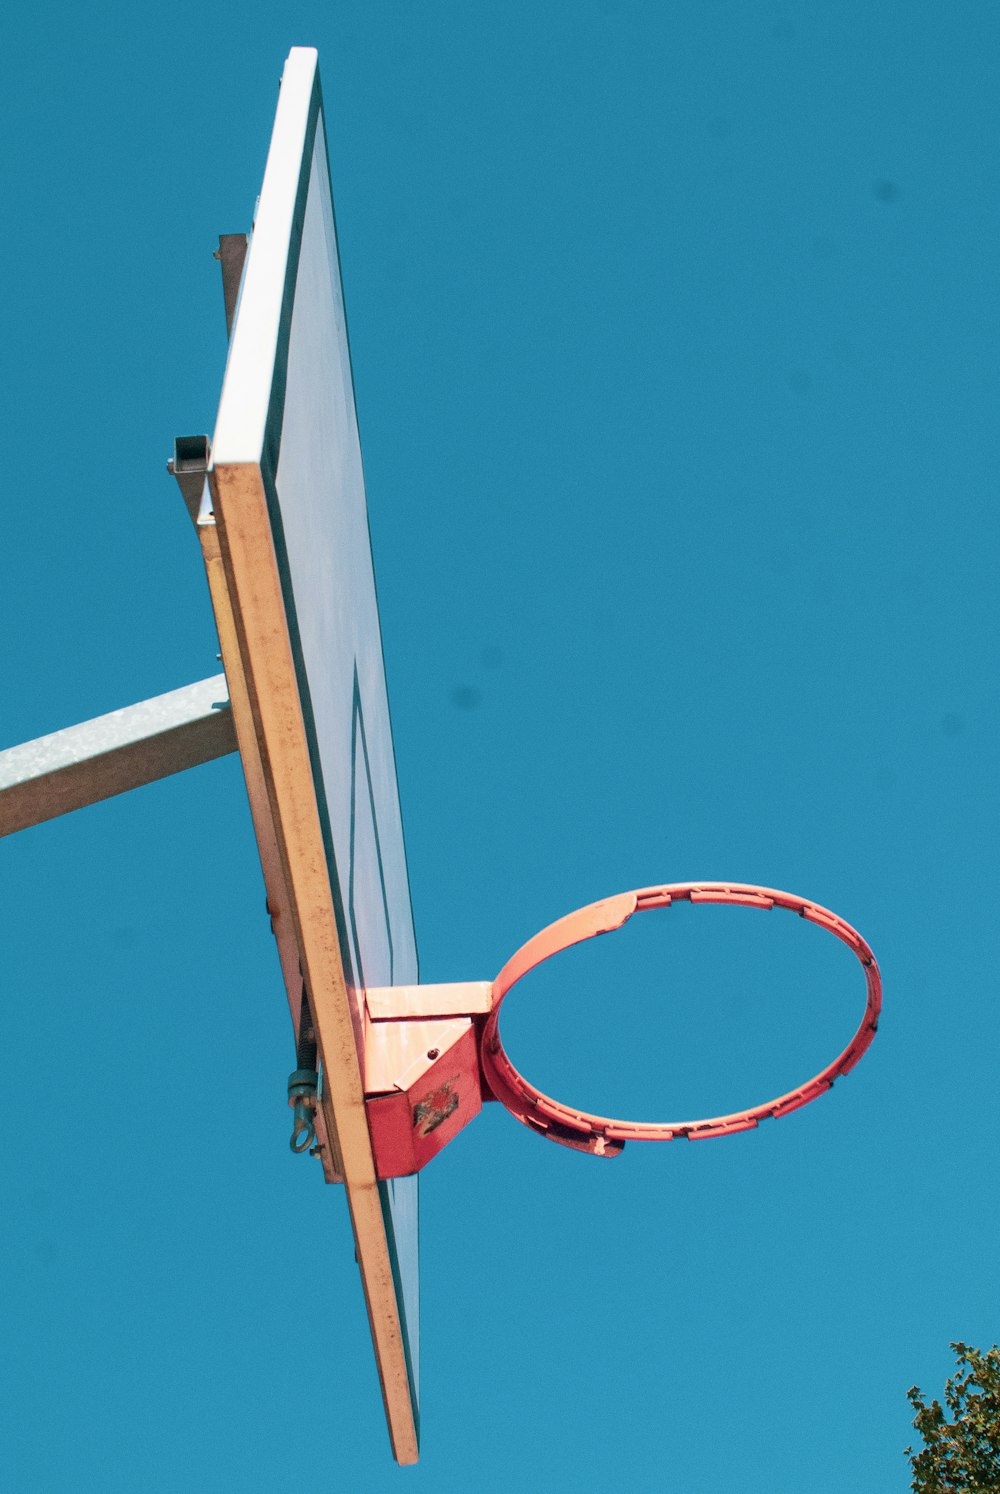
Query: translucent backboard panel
point(288, 493)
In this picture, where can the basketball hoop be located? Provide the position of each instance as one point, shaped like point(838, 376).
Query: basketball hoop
point(602, 1135)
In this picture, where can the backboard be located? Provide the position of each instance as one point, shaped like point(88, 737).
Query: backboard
point(285, 533)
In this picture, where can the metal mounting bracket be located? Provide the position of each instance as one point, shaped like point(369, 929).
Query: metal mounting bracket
point(422, 1073)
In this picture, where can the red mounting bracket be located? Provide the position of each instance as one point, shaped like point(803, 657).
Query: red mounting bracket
point(422, 1073)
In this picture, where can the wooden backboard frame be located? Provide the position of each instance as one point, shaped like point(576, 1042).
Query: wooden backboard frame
point(257, 656)
point(270, 470)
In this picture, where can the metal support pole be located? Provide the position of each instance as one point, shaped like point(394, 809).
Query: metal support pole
point(111, 754)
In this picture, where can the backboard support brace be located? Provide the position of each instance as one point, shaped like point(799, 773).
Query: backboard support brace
point(110, 754)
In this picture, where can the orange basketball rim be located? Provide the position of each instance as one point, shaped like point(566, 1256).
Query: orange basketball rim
point(602, 1135)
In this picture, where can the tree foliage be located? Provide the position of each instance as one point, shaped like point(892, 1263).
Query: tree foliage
point(961, 1455)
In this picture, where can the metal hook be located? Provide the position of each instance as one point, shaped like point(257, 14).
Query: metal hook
point(302, 1088)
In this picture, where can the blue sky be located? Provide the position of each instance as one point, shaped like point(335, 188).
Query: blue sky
point(673, 344)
